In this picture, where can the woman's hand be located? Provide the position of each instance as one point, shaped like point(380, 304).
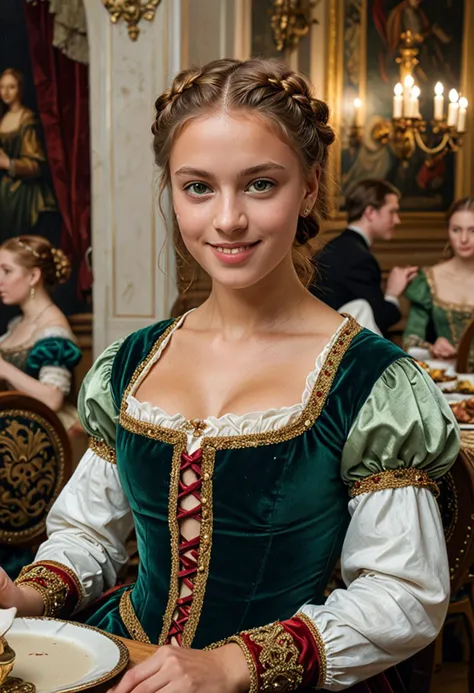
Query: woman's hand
point(4, 160)
point(181, 670)
point(442, 349)
point(27, 600)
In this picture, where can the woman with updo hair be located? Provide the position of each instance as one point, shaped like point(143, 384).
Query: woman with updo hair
point(39, 351)
point(255, 439)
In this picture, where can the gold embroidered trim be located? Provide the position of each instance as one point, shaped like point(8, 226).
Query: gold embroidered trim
point(278, 659)
point(66, 569)
point(458, 307)
point(54, 591)
point(394, 478)
point(174, 536)
point(209, 446)
point(319, 644)
point(130, 619)
point(304, 422)
point(101, 449)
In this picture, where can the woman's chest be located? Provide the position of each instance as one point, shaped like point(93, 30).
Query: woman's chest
point(204, 382)
point(451, 289)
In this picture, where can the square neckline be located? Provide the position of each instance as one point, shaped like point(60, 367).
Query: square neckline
point(153, 414)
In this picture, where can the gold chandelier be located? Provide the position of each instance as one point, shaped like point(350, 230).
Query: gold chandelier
point(408, 131)
point(290, 21)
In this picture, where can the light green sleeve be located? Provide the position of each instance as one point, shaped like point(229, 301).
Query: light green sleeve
point(404, 423)
point(95, 405)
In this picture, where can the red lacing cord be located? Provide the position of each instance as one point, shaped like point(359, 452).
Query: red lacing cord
point(188, 563)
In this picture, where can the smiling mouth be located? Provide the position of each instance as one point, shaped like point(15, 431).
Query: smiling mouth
point(234, 250)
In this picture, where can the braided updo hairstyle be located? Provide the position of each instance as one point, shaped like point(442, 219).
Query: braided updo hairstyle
point(36, 251)
point(265, 87)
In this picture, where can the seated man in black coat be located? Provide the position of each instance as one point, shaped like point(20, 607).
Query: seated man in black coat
point(347, 268)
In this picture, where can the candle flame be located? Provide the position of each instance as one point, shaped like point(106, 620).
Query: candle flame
point(453, 96)
point(463, 102)
point(415, 92)
point(439, 89)
point(409, 81)
point(398, 89)
point(357, 103)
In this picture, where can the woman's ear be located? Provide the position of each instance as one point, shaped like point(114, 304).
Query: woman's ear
point(312, 189)
point(35, 276)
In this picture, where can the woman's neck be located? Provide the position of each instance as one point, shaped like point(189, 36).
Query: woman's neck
point(15, 107)
point(462, 266)
point(33, 308)
point(265, 306)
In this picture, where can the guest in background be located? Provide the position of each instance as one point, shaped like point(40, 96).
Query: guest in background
point(348, 269)
point(24, 192)
point(442, 297)
point(39, 351)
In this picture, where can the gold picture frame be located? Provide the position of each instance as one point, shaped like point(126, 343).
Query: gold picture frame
point(429, 223)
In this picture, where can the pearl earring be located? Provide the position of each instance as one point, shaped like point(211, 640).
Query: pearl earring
point(32, 292)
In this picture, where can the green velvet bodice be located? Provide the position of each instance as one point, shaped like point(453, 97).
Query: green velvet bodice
point(276, 506)
point(448, 320)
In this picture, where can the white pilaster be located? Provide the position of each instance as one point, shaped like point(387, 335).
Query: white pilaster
point(133, 261)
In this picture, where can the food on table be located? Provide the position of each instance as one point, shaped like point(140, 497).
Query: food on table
point(464, 411)
point(463, 387)
point(437, 374)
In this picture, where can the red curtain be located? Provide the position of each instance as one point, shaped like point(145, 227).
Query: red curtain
point(62, 92)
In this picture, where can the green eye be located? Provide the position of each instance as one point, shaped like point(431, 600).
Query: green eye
point(261, 185)
point(197, 188)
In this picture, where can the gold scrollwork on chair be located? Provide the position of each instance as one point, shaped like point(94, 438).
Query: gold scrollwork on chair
point(132, 11)
point(32, 460)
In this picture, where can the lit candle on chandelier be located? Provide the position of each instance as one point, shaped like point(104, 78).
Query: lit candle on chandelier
point(358, 116)
point(439, 102)
point(398, 101)
point(453, 109)
point(415, 102)
point(462, 114)
point(408, 84)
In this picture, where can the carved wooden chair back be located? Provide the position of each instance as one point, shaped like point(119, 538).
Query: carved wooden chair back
point(35, 463)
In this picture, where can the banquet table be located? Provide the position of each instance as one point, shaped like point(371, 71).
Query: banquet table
point(138, 653)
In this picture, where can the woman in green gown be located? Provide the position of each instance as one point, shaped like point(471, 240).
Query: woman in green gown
point(24, 192)
point(255, 439)
point(38, 352)
point(442, 296)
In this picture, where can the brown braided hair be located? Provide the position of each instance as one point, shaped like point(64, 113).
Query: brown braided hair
point(36, 251)
point(270, 89)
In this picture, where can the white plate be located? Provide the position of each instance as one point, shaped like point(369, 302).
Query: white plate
point(448, 366)
point(452, 397)
point(62, 657)
point(419, 353)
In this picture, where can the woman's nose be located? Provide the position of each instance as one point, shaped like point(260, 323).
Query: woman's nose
point(229, 215)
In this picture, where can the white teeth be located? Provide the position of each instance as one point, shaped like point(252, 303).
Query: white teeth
point(231, 251)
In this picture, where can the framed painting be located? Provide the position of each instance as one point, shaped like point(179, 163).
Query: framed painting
point(364, 42)
point(45, 184)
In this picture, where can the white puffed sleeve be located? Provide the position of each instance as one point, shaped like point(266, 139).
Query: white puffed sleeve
point(395, 566)
point(394, 560)
point(88, 526)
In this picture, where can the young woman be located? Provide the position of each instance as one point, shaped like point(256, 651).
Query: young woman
point(255, 438)
point(24, 192)
point(38, 352)
point(441, 296)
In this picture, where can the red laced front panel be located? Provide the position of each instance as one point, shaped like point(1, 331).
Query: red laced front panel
point(189, 509)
